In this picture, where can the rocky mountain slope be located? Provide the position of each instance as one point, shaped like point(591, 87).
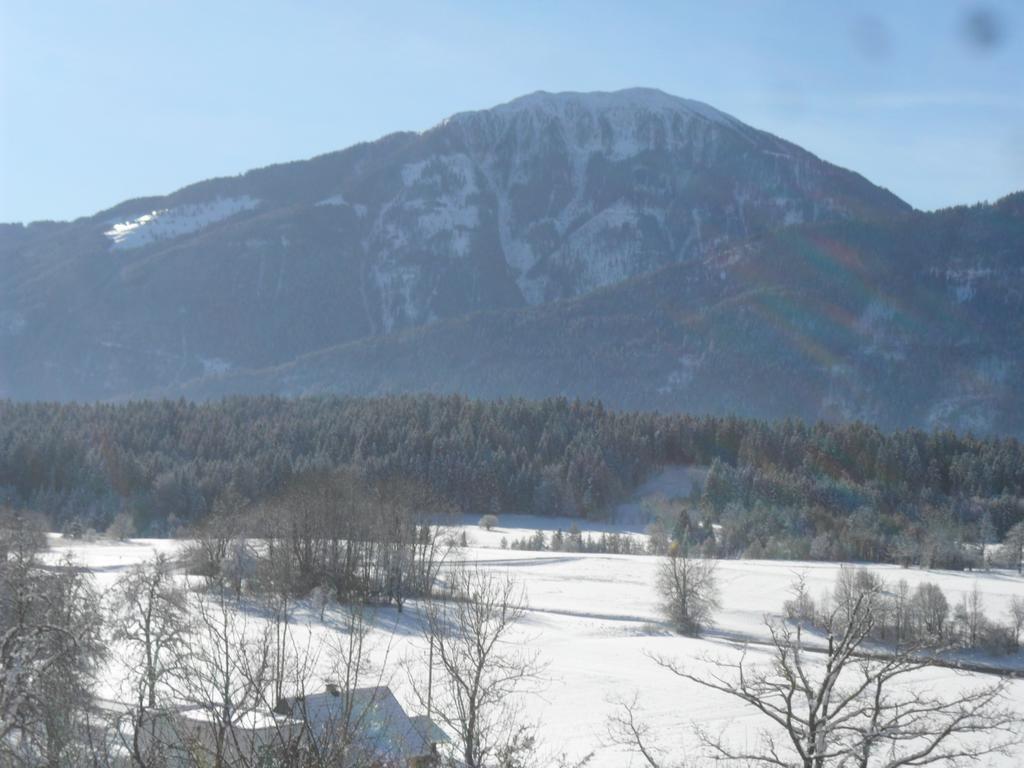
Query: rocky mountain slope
point(546, 198)
point(917, 321)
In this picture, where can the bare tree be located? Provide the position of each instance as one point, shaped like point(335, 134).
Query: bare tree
point(626, 728)
point(50, 648)
point(689, 591)
point(149, 611)
point(838, 705)
point(1013, 543)
point(245, 721)
point(800, 607)
point(970, 615)
point(480, 669)
point(357, 685)
point(367, 542)
point(223, 681)
point(930, 610)
point(212, 538)
point(1016, 612)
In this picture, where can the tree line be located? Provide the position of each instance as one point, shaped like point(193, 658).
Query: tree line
point(774, 489)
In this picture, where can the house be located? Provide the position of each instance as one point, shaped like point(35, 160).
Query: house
point(364, 727)
point(370, 721)
point(188, 737)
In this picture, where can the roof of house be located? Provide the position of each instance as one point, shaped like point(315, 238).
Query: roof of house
point(377, 720)
point(429, 730)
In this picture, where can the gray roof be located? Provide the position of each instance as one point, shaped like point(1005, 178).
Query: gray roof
point(376, 719)
point(429, 730)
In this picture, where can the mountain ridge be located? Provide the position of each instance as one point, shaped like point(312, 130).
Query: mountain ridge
point(894, 365)
point(546, 198)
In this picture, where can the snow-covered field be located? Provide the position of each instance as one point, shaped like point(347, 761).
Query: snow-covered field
point(594, 619)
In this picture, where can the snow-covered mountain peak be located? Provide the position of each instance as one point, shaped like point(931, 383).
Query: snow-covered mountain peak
point(615, 124)
point(632, 100)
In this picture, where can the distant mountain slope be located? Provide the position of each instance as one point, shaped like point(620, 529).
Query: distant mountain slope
point(917, 321)
point(547, 197)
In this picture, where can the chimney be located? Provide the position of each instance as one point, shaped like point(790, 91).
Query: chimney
point(283, 707)
point(332, 688)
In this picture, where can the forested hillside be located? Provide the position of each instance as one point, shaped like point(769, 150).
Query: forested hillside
point(911, 322)
point(776, 489)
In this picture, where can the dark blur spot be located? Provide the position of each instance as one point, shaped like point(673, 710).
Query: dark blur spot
point(983, 29)
point(871, 37)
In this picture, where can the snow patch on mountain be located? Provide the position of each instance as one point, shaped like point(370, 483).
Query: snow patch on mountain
point(340, 202)
point(174, 222)
point(792, 212)
point(433, 219)
point(439, 198)
point(332, 200)
point(569, 139)
point(617, 126)
point(215, 366)
point(680, 377)
point(629, 100)
point(397, 286)
point(884, 338)
point(962, 281)
point(604, 249)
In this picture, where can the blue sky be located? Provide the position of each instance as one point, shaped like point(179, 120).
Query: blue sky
point(104, 101)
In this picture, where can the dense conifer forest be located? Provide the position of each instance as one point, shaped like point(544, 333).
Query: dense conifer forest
point(784, 489)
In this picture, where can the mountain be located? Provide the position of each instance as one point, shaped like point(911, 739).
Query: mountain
point(915, 321)
point(544, 199)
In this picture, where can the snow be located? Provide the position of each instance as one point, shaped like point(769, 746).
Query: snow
point(962, 281)
point(682, 375)
point(595, 620)
point(453, 209)
point(340, 201)
point(604, 249)
point(397, 285)
point(333, 200)
point(108, 559)
point(670, 482)
point(174, 222)
point(628, 100)
point(600, 242)
point(793, 217)
point(215, 366)
point(883, 336)
point(437, 213)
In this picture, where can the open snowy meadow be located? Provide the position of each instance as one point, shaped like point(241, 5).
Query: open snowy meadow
point(594, 620)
